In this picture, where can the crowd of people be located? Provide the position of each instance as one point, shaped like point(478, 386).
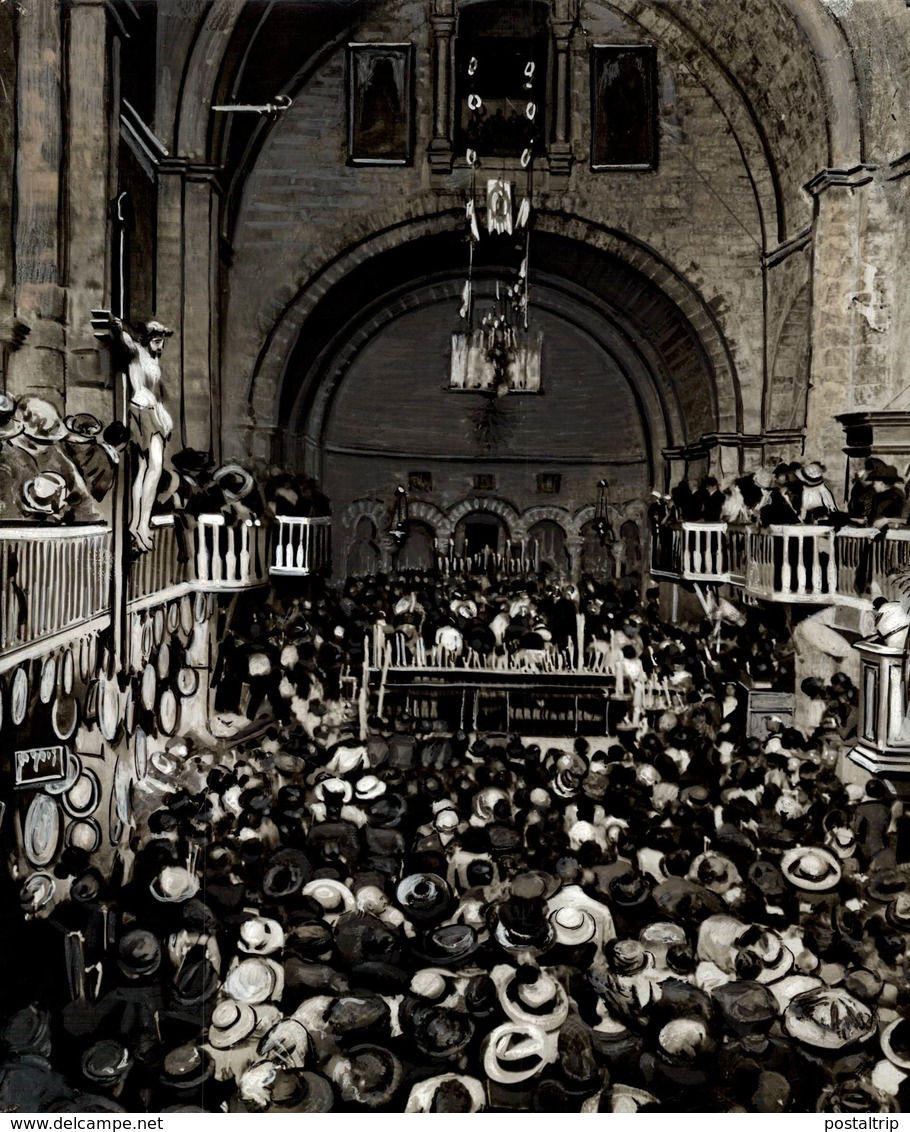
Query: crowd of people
point(790, 493)
point(678, 917)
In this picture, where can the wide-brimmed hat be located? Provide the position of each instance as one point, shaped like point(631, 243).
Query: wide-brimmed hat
point(811, 868)
point(528, 995)
point(449, 1092)
point(332, 895)
point(40, 420)
point(629, 890)
point(425, 896)
point(174, 884)
point(449, 945)
point(895, 1042)
point(658, 937)
point(254, 980)
point(387, 811)
point(10, 425)
point(517, 1051)
point(696, 796)
point(286, 873)
point(764, 477)
point(748, 1007)
point(83, 426)
point(106, 1062)
point(886, 885)
point(573, 927)
point(828, 1018)
point(812, 474)
point(44, 493)
point(714, 871)
point(842, 842)
point(776, 960)
point(37, 891)
point(368, 788)
point(236, 482)
point(139, 952)
point(887, 473)
point(683, 1039)
point(629, 956)
point(300, 1091)
point(337, 788)
point(261, 936)
point(231, 1023)
point(368, 1075)
point(197, 982)
point(898, 912)
point(438, 1033)
point(287, 1042)
point(186, 1067)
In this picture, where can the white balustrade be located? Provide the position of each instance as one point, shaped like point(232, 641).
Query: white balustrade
point(704, 552)
point(302, 546)
point(792, 563)
point(228, 556)
point(51, 578)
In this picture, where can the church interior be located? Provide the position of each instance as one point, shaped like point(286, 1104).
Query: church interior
point(454, 484)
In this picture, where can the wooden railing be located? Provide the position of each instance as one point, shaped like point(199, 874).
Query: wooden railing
point(302, 546)
point(51, 578)
point(163, 567)
point(704, 552)
point(228, 556)
point(56, 578)
point(802, 564)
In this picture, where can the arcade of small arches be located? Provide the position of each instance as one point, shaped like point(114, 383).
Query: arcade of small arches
point(479, 529)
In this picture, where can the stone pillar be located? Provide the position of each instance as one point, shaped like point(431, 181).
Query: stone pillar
point(560, 148)
point(87, 205)
point(440, 149)
point(850, 311)
point(187, 299)
point(39, 366)
point(201, 370)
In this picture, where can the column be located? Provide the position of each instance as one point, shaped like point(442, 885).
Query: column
point(440, 149)
point(87, 205)
point(186, 300)
point(560, 148)
point(38, 367)
point(849, 328)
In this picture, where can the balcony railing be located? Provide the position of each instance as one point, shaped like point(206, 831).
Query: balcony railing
point(228, 557)
point(53, 579)
point(302, 546)
point(799, 564)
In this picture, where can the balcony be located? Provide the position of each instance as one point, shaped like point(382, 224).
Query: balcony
point(54, 580)
point(793, 564)
point(302, 546)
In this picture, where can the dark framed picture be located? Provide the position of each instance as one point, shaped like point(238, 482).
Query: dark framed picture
point(380, 98)
point(623, 106)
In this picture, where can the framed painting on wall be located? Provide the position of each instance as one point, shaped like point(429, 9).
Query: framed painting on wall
point(623, 107)
point(380, 98)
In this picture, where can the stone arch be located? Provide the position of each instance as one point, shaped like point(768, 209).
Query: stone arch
point(432, 515)
point(269, 371)
point(559, 515)
point(200, 79)
point(588, 514)
point(489, 504)
point(374, 509)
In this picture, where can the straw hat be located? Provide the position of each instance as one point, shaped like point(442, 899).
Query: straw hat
point(254, 980)
point(174, 884)
point(811, 868)
point(574, 927)
point(45, 493)
point(334, 896)
point(231, 1023)
point(812, 474)
point(369, 787)
point(261, 936)
point(829, 1018)
point(530, 996)
point(516, 1052)
point(896, 1043)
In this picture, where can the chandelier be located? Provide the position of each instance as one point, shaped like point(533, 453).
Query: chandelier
point(497, 353)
